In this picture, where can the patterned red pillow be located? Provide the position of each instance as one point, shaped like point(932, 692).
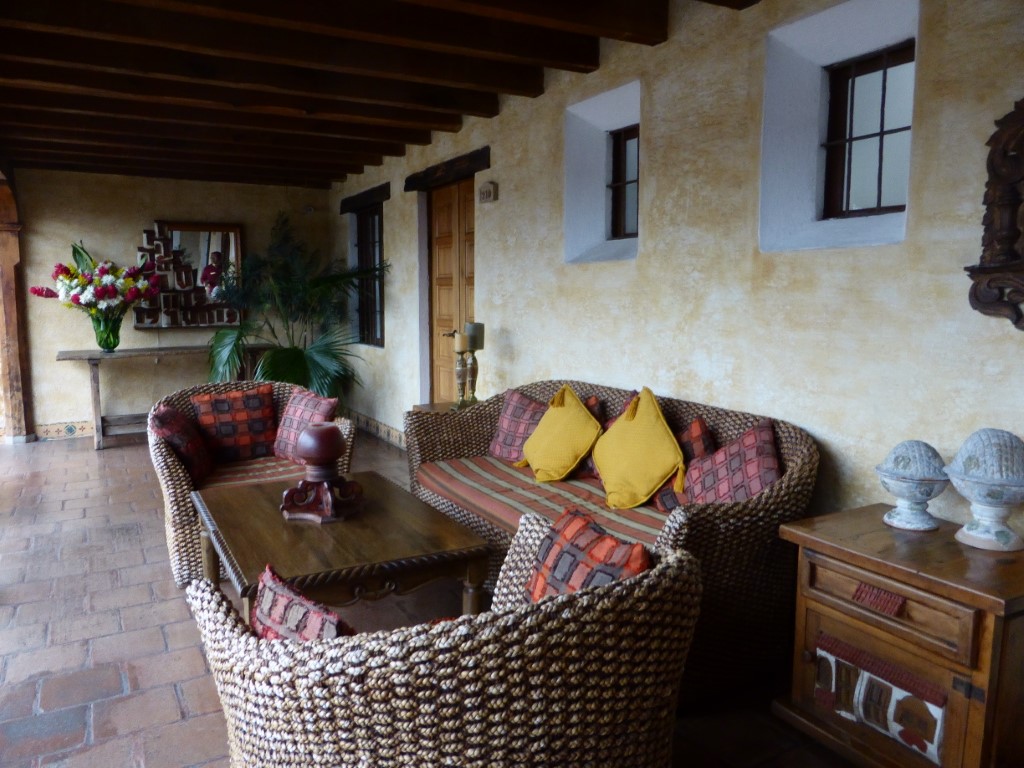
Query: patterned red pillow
point(696, 440)
point(737, 471)
point(280, 611)
point(577, 552)
point(304, 408)
point(519, 417)
point(181, 434)
point(240, 424)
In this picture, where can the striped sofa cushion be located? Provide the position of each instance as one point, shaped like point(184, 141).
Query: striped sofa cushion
point(500, 493)
point(254, 471)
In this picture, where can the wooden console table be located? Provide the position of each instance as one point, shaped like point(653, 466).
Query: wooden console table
point(129, 424)
point(909, 645)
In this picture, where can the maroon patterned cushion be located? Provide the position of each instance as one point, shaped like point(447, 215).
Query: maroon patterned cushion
point(519, 417)
point(576, 552)
point(304, 408)
point(181, 434)
point(696, 440)
point(587, 468)
point(280, 611)
point(239, 424)
point(737, 471)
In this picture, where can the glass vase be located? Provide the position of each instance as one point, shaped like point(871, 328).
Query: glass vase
point(108, 331)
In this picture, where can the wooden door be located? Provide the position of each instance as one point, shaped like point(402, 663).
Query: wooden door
point(451, 280)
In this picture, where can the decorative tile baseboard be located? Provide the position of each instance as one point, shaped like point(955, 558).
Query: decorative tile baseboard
point(64, 430)
point(385, 432)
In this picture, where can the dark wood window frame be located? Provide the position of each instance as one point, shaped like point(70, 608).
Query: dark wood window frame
point(368, 209)
point(839, 142)
point(620, 183)
point(370, 254)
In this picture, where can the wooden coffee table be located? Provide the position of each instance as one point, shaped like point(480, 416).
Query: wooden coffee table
point(392, 545)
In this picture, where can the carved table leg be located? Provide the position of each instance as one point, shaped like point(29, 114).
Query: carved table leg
point(473, 587)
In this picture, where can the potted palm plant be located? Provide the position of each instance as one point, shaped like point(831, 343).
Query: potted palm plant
point(294, 301)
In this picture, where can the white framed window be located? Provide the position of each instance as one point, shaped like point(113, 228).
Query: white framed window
point(795, 128)
point(589, 155)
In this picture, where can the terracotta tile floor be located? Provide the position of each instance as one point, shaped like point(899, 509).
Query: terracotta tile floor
point(100, 663)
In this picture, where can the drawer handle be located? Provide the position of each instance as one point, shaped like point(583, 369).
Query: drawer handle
point(878, 599)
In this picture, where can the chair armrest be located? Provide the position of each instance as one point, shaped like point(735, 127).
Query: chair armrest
point(175, 481)
point(442, 435)
point(348, 432)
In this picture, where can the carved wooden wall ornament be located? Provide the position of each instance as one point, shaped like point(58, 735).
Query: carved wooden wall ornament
point(998, 280)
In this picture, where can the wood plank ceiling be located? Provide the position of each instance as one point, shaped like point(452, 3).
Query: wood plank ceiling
point(300, 92)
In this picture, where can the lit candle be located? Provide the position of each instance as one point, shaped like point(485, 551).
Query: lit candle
point(475, 332)
point(461, 342)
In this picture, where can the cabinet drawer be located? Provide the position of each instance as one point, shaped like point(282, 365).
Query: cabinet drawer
point(924, 620)
point(903, 710)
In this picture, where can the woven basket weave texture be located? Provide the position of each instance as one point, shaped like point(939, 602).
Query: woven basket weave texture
point(744, 637)
point(587, 679)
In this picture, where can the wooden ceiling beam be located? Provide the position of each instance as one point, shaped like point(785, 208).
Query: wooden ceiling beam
point(31, 148)
point(253, 135)
point(78, 52)
point(11, 135)
point(393, 23)
point(633, 21)
point(161, 30)
point(317, 125)
point(79, 81)
point(281, 178)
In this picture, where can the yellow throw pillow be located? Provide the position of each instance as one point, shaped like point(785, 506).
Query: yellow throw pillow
point(638, 454)
point(563, 437)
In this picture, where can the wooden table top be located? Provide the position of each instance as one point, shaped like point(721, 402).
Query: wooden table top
point(931, 560)
point(392, 530)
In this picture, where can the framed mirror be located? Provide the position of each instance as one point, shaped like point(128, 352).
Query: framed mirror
point(190, 259)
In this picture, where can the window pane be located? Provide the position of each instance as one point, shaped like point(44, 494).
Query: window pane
point(899, 96)
point(630, 223)
point(863, 174)
point(632, 158)
point(867, 104)
point(895, 168)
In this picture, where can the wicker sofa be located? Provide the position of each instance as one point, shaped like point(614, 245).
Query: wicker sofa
point(584, 679)
point(743, 642)
point(181, 520)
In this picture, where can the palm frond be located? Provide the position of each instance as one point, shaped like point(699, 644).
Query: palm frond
point(227, 348)
point(284, 364)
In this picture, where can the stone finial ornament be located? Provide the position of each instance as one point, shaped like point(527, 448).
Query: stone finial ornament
point(989, 472)
point(913, 473)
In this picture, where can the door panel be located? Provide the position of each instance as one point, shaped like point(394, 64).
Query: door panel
point(451, 280)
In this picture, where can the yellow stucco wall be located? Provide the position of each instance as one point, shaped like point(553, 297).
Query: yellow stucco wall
point(108, 214)
point(864, 347)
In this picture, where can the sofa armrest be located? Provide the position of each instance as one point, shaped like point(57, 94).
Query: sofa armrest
point(443, 435)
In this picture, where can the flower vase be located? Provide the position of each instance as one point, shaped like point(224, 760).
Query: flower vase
point(108, 331)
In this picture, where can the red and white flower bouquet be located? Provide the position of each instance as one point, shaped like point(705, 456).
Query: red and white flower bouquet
point(103, 290)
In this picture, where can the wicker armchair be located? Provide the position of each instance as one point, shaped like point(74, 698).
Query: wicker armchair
point(743, 643)
point(181, 520)
point(584, 679)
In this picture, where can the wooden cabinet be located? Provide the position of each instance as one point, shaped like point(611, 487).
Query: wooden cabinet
point(909, 646)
